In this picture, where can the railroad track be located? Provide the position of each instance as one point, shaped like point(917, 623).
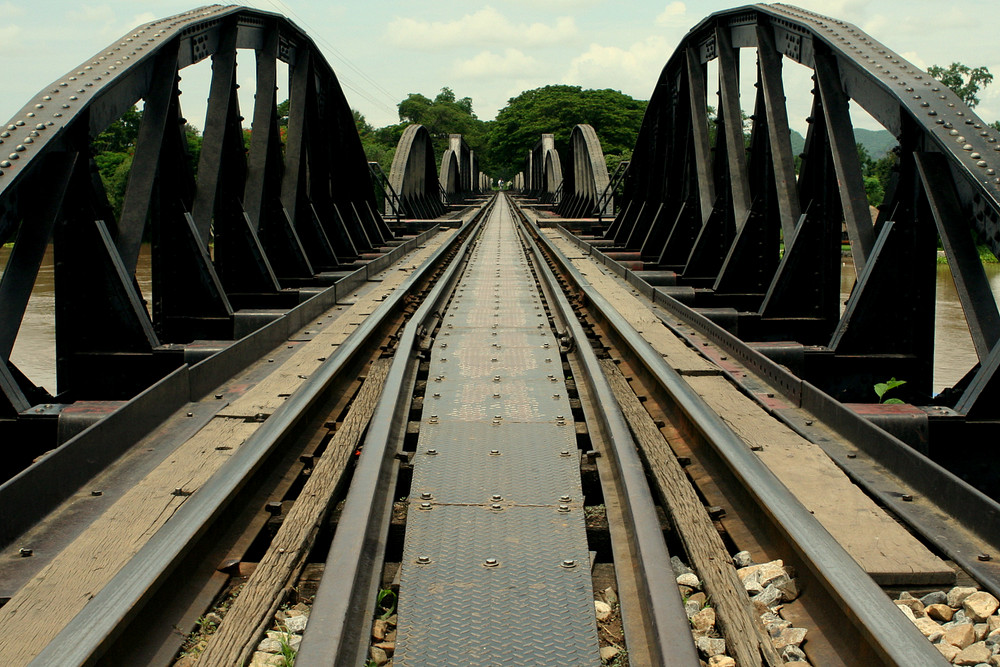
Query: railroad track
point(512, 434)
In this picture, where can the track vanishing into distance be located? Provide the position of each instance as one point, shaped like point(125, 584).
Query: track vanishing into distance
point(534, 436)
point(369, 419)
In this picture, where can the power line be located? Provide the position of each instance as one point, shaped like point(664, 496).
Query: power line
point(345, 81)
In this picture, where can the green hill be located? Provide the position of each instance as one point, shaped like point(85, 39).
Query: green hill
point(878, 142)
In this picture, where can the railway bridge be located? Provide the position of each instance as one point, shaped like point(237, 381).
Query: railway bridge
point(348, 417)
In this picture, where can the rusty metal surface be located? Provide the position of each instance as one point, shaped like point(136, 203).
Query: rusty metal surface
point(496, 499)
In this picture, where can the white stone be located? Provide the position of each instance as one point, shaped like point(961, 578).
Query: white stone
point(721, 661)
point(979, 606)
point(973, 655)
point(770, 596)
point(296, 624)
point(929, 628)
point(957, 595)
point(602, 609)
point(688, 579)
point(261, 659)
point(609, 653)
point(710, 646)
point(703, 621)
point(742, 559)
point(790, 637)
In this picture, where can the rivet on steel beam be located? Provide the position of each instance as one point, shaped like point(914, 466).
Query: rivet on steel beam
point(496, 497)
point(496, 507)
point(425, 506)
point(432, 452)
point(423, 560)
point(568, 564)
point(491, 562)
point(494, 452)
point(564, 453)
point(426, 495)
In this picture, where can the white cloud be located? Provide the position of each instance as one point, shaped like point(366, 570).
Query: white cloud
point(486, 26)
point(9, 9)
point(674, 15)
point(557, 4)
point(512, 63)
point(634, 70)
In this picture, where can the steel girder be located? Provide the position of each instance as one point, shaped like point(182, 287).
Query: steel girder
point(414, 176)
point(543, 171)
point(459, 175)
point(717, 214)
point(251, 226)
point(586, 181)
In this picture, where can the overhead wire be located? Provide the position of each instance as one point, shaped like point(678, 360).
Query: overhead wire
point(388, 106)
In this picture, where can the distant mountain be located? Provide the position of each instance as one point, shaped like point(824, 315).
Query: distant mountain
point(878, 142)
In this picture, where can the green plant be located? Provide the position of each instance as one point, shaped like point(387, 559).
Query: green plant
point(882, 387)
point(386, 601)
point(287, 652)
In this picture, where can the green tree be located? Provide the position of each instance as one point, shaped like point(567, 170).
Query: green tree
point(964, 80)
point(557, 109)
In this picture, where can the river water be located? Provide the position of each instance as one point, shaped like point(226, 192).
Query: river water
point(35, 350)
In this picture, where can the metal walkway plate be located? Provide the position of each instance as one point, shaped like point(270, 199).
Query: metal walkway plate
point(496, 569)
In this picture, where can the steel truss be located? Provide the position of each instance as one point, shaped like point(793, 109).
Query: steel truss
point(731, 229)
point(252, 233)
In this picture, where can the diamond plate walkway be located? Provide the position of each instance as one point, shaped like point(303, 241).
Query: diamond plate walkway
point(496, 569)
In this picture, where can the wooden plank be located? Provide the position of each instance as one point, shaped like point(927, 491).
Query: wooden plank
point(746, 638)
point(877, 542)
point(678, 354)
point(251, 612)
point(265, 397)
point(39, 610)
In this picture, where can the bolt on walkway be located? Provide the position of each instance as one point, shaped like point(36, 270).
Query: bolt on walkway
point(496, 568)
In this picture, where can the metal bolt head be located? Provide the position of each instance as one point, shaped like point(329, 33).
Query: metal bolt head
point(25, 552)
point(563, 509)
point(432, 452)
point(491, 562)
point(494, 452)
point(564, 453)
point(496, 496)
point(423, 560)
point(426, 495)
point(564, 499)
point(568, 563)
point(985, 557)
point(425, 506)
point(907, 497)
point(95, 493)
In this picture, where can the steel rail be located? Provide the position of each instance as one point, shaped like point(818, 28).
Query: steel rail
point(344, 603)
point(876, 620)
point(940, 498)
point(671, 630)
point(95, 627)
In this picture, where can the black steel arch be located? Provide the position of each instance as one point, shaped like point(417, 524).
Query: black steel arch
point(229, 247)
point(586, 180)
point(414, 176)
point(716, 215)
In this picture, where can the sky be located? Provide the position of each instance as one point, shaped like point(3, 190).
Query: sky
point(384, 49)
